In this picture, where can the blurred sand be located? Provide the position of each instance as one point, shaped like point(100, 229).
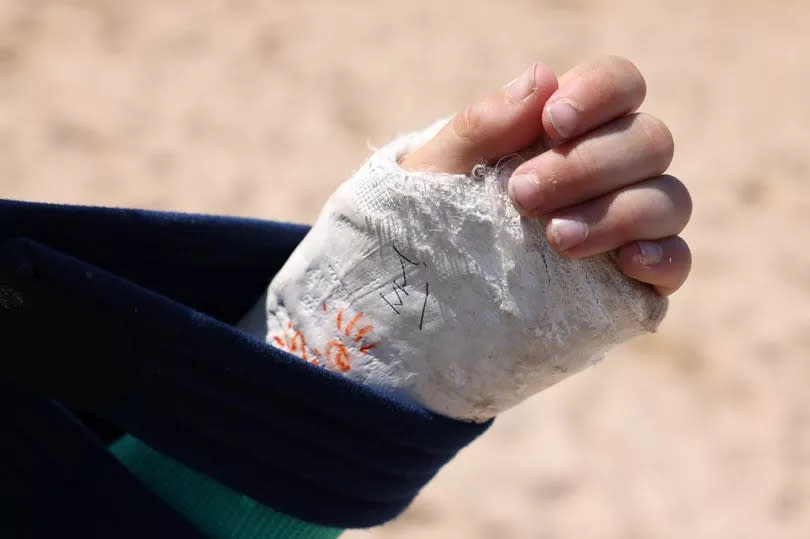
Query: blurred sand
point(262, 108)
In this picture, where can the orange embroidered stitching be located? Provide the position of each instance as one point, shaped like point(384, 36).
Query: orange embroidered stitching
point(341, 360)
point(337, 354)
point(368, 347)
point(349, 328)
point(362, 332)
point(298, 338)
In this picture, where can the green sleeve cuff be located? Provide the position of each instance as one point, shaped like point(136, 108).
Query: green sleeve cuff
point(216, 510)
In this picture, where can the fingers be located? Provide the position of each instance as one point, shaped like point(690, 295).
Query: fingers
point(622, 152)
point(601, 186)
point(592, 94)
point(648, 210)
point(533, 107)
point(607, 168)
point(663, 263)
point(504, 122)
point(641, 220)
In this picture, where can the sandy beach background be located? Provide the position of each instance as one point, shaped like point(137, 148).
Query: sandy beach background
point(261, 108)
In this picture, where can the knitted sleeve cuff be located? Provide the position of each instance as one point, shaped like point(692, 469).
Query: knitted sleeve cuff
point(214, 509)
point(129, 314)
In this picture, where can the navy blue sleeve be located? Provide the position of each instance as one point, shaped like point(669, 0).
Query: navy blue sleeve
point(59, 480)
point(129, 314)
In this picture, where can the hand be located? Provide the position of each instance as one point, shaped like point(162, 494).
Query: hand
point(600, 182)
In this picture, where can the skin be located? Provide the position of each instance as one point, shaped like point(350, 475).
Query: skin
point(600, 182)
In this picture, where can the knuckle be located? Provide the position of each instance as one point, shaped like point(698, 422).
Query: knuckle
point(636, 82)
point(659, 142)
point(632, 225)
point(470, 125)
point(583, 166)
point(617, 62)
point(626, 77)
point(680, 197)
point(627, 66)
point(681, 266)
point(681, 250)
point(687, 261)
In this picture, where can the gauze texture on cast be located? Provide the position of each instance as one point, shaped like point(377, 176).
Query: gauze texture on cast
point(434, 286)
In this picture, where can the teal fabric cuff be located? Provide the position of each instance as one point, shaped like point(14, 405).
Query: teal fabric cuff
point(216, 510)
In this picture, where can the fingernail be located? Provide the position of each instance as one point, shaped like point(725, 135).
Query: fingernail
point(649, 253)
point(568, 233)
point(522, 87)
point(563, 114)
point(524, 190)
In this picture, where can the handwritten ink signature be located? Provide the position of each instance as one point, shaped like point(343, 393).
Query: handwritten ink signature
point(400, 289)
